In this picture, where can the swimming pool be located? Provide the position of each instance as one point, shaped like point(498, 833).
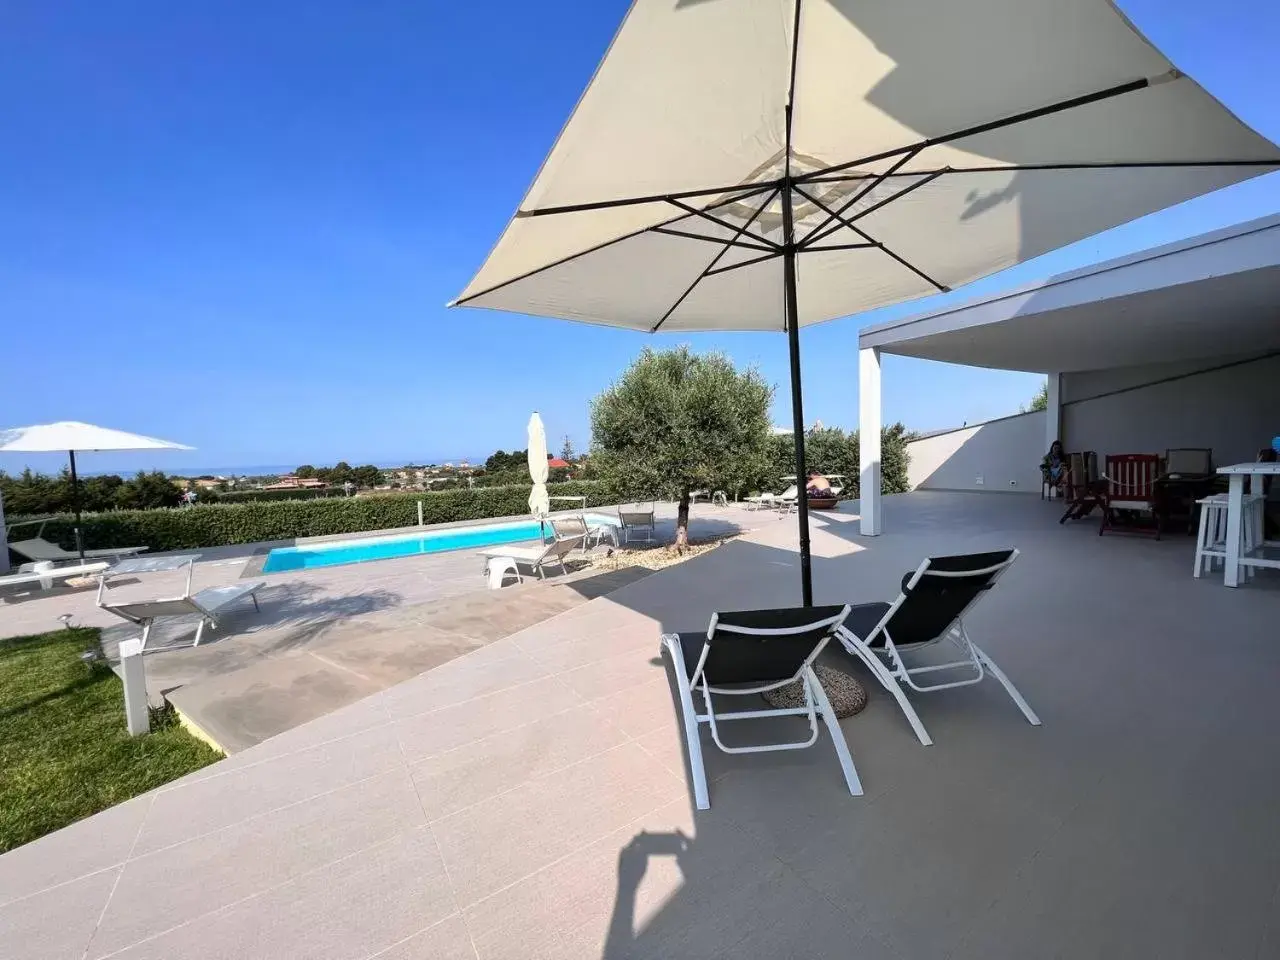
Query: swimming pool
point(334, 553)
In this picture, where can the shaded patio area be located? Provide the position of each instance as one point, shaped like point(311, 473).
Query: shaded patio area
point(529, 799)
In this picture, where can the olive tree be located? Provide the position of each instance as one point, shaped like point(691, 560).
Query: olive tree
point(677, 421)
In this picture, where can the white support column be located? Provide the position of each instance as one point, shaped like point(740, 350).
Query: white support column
point(1053, 412)
point(4, 551)
point(869, 440)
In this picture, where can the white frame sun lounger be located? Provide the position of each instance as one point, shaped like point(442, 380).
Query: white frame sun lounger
point(45, 573)
point(770, 500)
point(635, 517)
point(39, 549)
point(535, 557)
point(748, 652)
point(931, 608)
point(207, 604)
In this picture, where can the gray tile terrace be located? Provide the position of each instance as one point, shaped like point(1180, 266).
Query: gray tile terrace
point(529, 799)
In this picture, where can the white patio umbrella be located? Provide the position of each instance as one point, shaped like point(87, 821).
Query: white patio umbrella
point(72, 436)
point(539, 502)
point(765, 164)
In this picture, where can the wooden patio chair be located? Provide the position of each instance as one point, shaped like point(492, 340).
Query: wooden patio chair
point(1131, 489)
point(1082, 486)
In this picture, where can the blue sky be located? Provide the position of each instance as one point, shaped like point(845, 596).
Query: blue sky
point(237, 225)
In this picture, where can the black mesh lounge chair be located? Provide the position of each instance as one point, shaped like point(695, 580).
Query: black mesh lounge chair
point(935, 598)
point(749, 652)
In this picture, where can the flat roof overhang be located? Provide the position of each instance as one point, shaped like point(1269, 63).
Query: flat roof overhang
point(1216, 294)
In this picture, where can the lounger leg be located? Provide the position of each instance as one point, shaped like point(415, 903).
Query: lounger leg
point(200, 631)
point(146, 633)
point(881, 673)
point(254, 598)
point(1008, 686)
point(837, 735)
point(689, 716)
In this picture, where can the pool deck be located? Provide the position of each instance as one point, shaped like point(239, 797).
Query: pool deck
point(329, 636)
point(529, 801)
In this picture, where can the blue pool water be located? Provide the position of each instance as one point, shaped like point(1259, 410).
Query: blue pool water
point(405, 545)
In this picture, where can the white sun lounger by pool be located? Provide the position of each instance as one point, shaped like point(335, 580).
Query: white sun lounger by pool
point(45, 573)
point(40, 549)
point(766, 500)
point(502, 559)
point(207, 604)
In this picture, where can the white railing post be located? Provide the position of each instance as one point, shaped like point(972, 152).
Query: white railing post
point(420, 523)
point(136, 715)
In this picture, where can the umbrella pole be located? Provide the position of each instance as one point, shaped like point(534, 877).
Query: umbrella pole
point(75, 505)
point(797, 400)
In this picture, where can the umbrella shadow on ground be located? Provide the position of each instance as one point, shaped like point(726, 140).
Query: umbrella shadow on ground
point(697, 889)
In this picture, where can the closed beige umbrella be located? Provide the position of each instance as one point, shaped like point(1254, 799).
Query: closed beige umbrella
point(539, 501)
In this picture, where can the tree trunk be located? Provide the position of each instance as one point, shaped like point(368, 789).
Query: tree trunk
point(682, 522)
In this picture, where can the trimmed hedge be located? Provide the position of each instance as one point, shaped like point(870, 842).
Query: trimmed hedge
point(219, 524)
point(270, 496)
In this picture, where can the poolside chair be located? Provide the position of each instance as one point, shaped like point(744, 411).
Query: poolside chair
point(208, 604)
point(39, 549)
point(577, 526)
point(931, 607)
point(788, 500)
point(500, 560)
point(1083, 486)
point(636, 519)
point(1131, 489)
point(750, 652)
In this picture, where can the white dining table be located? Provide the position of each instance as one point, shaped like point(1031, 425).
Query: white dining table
point(1235, 516)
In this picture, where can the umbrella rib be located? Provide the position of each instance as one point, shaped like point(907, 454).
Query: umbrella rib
point(870, 241)
point(698, 236)
point(869, 245)
point(1036, 114)
point(751, 188)
point(725, 224)
point(745, 263)
point(714, 260)
point(1083, 165)
point(608, 243)
point(878, 204)
point(835, 214)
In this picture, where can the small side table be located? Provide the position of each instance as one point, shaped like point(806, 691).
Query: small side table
point(497, 569)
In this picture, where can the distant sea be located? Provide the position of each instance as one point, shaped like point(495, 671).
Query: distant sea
point(53, 463)
point(263, 470)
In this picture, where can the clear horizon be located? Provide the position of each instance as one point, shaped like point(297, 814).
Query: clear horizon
point(236, 228)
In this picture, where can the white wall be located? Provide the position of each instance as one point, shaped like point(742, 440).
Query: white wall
point(1234, 410)
point(1004, 453)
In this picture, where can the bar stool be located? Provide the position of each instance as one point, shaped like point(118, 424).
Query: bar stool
point(1211, 543)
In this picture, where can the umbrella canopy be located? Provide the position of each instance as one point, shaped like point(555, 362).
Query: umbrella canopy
point(765, 164)
point(70, 435)
point(539, 502)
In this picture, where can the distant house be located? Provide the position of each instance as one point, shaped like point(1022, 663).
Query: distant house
point(557, 463)
point(290, 482)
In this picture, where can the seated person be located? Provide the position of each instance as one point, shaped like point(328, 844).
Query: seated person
point(1054, 465)
point(818, 487)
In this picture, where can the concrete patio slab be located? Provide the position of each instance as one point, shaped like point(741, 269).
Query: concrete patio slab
point(1137, 821)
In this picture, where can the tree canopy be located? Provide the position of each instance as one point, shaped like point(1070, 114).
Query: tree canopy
point(677, 421)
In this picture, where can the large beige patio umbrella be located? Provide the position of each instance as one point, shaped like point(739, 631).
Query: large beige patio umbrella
point(539, 501)
point(765, 164)
point(72, 436)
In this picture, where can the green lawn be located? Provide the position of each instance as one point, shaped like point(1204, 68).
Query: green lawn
point(64, 750)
